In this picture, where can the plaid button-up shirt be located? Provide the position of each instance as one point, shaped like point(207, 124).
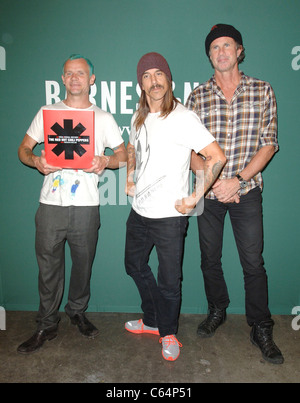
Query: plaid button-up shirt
point(242, 127)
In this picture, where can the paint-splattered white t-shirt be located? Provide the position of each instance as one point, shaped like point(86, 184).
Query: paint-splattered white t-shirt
point(69, 187)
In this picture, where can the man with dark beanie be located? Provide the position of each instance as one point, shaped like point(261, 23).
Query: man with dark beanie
point(241, 113)
point(163, 134)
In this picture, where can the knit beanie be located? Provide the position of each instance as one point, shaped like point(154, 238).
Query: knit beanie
point(150, 61)
point(222, 30)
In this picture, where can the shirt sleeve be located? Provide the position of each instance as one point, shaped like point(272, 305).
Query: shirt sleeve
point(36, 128)
point(196, 136)
point(268, 132)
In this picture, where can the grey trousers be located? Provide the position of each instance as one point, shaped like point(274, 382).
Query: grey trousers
point(55, 225)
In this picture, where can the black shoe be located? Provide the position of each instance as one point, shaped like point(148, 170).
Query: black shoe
point(86, 328)
point(215, 318)
point(37, 340)
point(262, 336)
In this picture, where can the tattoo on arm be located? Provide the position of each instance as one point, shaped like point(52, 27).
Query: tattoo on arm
point(131, 158)
point(27, 156)
point(216, 169)
point(206, 178)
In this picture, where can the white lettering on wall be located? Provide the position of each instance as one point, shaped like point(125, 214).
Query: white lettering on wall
point(296, 60)
point(125, 97)
point(108, 94)
point(2, 318)
point(187, 90)
point(52, 92)
point(93, 92)
point(2, 58)
point(123, 128)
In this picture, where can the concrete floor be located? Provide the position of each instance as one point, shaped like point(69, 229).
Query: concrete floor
point(117, 356)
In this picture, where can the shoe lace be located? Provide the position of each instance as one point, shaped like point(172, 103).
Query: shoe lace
point(170, 340)
point(266, 338)
point(216, 314)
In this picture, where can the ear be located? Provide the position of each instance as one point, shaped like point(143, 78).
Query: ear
point(63, 79)
point(239, 50)
point(92, 79)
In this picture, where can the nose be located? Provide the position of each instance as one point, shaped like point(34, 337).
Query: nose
point(153, 79)
point(221, 50)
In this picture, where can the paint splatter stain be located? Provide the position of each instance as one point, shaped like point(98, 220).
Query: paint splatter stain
point(74, 187)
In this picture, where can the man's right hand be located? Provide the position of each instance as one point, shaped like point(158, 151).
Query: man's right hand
point(42, 165)
point(130, 188)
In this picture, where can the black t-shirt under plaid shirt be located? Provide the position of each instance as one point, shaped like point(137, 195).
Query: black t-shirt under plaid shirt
point(242, 127)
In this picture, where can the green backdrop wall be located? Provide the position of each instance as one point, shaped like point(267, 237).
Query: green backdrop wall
point(37, 36)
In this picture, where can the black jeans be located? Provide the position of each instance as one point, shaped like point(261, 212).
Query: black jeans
point(247, 225)
point(160, 299)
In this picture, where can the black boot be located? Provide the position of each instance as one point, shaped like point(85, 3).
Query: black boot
point(215, 318)
point(262, 336)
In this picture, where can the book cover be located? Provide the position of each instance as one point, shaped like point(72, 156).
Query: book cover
point(69, 138)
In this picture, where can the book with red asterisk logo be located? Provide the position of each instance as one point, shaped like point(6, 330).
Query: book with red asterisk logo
point(69, 138)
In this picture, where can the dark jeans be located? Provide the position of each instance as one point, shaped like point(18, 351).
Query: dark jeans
point(55, 226)
point(160, 299)
point(247, 225)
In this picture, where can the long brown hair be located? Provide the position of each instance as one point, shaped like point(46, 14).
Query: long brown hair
point(168, 105)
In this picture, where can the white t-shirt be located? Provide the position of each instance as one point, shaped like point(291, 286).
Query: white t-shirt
point(163, 151)
point(69, 187)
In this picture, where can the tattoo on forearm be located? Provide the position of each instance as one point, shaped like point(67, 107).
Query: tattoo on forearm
point(211, 174)
point(216, 169)
point(131, 158)
point(206, 178)
point(28, 156)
